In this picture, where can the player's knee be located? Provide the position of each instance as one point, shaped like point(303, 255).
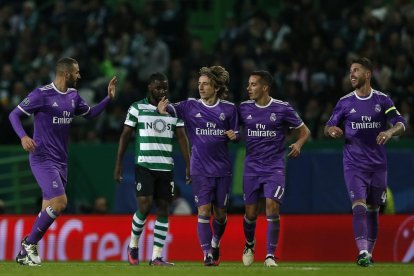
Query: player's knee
point(250, 216)
point(359, 208)
point(59, 207)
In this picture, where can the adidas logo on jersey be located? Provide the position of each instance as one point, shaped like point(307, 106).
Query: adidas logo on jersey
point(55, 104)
point(198, 115)
point(352, 110)
point(249, 117)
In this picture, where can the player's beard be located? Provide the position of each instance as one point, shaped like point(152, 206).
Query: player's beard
point(360, 83)
point(71, 82)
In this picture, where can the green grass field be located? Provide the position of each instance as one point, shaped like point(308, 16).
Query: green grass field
point(187, 268)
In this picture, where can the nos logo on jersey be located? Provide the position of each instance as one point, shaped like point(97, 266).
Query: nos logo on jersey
point(159, 125)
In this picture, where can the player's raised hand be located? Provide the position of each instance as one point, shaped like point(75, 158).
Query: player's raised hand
point(162, 105)
point(28, 144)
point(335, 132)
point(294, 150)
point(112, 87)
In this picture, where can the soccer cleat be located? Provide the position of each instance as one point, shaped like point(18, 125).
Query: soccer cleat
point(215, 251)
point(31, 250)
point(270, 261)
point(364, 260)
point(160, 262)
point(248, 254)
point(25, 260)
point(133, 255)
point(208, 261)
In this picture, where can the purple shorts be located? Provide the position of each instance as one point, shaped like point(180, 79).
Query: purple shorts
point(50, 177)
point(371, 186)
point(267, 186)
point(211, 190)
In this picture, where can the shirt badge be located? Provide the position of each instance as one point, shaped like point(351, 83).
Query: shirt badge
point(272, 117)
point(377, 108)
point(222, 116)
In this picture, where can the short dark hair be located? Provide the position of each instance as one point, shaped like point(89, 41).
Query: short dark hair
point(365, 62)
point(65, 63)
point(157, 77)
point(265, 76)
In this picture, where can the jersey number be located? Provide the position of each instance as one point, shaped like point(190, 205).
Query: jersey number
point(384, 196)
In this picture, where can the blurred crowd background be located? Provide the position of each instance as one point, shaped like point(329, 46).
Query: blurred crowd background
point(306, 45)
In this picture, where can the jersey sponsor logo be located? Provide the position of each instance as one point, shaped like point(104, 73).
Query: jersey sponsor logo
point(210, 130)
point(26, 102)
point(249, 117)
point(366, 123)
point(377, 108)
point(198, 115)
point(159, 125)
point(64, 120)
point(261, 131)
point(55, 104)
point(222, 116)
point(272, 117)
point(139, 186)
point(352, 110)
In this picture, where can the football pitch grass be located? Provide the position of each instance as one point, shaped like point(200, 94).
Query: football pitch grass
point(194, 268)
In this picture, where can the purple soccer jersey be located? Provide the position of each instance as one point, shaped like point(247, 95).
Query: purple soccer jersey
point(264, 131)
point(363, 119)
point(53, 113)
point(206, 126)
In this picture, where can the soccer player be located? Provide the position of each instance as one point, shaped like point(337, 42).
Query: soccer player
point(266, 121)
point(362, 116)
point(211, 123)
point(154, 135)
point(53, 106)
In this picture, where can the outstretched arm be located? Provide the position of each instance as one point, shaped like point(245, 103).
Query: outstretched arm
point(303, 136)
point(185, 151)
point(28, 143)
point(123, 144)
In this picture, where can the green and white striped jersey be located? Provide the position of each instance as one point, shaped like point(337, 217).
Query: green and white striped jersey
point(154, 135)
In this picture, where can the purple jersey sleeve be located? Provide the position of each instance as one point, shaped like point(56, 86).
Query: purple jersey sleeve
point(337, 116)
point(392, 113)
point(32, 103)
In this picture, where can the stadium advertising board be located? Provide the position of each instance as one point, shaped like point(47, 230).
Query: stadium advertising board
point(303, 238)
